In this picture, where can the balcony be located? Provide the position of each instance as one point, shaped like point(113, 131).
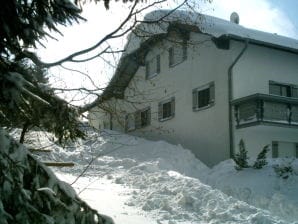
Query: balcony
point(262, 109)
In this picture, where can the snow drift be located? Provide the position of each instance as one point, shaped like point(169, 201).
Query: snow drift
point(156, 182)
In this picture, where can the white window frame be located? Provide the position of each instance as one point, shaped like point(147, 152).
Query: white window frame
point(161, 117)
point(286, 85)
point(130, 119)
point(275, 150)
point(195, 96)
point(175, 48)
point(138, 118)
point(155, 60)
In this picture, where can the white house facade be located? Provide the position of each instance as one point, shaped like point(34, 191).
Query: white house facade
point(206, 84)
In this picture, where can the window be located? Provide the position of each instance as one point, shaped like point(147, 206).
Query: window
point(130, 122)
point(286, 90)
point(139, 119)
point(284, 149)
point(247, 111)
point(177, 54)
point(153, 67)
point(203, 97)
point(166, 109)
point(143, 117)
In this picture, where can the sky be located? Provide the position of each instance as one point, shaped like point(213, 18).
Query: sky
point(273, 16)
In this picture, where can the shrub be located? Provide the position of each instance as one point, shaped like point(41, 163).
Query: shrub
point(261, 159)
point(241, 158)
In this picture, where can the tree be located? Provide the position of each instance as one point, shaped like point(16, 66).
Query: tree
point(26, 101)
point(261, 159)
point(241, 158)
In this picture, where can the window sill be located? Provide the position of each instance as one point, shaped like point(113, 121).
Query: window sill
point(151, 76)
point(177, 63)
point(203, 108)
point(166, 118)
point(130, 129)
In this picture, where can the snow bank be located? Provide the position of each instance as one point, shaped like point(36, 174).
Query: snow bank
point(261, 188)
point(31, 193)
point(156, 182)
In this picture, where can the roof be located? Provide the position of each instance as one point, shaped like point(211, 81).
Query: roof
point(149, 31)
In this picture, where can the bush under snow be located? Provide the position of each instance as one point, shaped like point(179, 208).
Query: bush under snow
point(31, 194)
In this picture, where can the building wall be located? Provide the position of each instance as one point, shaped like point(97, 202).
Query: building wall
point(258, 65)
point(251, 75)
point(205, 132)
point(256, 137)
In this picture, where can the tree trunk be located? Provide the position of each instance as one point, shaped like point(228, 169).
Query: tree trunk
point(24, 130)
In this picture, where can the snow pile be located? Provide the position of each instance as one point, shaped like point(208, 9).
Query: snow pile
point(265, 188)
point(140, 181)
point(31, 193)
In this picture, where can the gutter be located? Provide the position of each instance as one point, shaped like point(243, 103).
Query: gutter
point(230, 94)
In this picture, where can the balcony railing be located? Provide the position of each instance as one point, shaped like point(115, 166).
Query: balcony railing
point(266, 109)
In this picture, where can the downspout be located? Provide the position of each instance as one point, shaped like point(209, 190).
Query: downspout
point(230, 87)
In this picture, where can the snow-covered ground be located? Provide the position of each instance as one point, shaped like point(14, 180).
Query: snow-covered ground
point(135, 181)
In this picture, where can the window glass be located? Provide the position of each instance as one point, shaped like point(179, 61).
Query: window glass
point(203, 96)
point(166, 109)
point(283, 90)
point(145, 117)
point(177, 54)
point(153, 67)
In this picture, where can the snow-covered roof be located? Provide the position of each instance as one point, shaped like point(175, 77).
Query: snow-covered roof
point(156, 25)
point(215, 27)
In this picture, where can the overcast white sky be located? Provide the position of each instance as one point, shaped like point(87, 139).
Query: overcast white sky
point(274, 16)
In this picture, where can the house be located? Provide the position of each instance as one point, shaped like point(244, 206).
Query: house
point(205, 83)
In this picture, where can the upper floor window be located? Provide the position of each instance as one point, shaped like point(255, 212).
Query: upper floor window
point(153, 67)
point(203, 97)
point(281, 89)
point(177, 53)
point(166, 109)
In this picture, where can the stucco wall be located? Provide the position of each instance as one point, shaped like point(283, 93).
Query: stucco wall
point(205, 132)
point(251, 75)
point(257, 137)
point(258, 65)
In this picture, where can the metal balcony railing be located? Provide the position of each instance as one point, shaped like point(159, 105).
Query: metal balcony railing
point(265, 109)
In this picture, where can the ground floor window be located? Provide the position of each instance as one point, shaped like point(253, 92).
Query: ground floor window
point(166, 109)
point(143, 117)
point(130, 122)
point(284, 149)
point(138, 119)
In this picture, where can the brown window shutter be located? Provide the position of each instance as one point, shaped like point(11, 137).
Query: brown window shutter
point(171, 56)
point(160, 111)
point(126, 123)
point(173, 106)
point(274, 149)
point(138, 121)
point(212, 93)
point(149, 116)
point(147, 70)
point(158, 64)
point(184, 57)
point(194, 99)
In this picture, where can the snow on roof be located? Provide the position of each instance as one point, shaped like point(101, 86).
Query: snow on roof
point(212, 26)
point(156, 24)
